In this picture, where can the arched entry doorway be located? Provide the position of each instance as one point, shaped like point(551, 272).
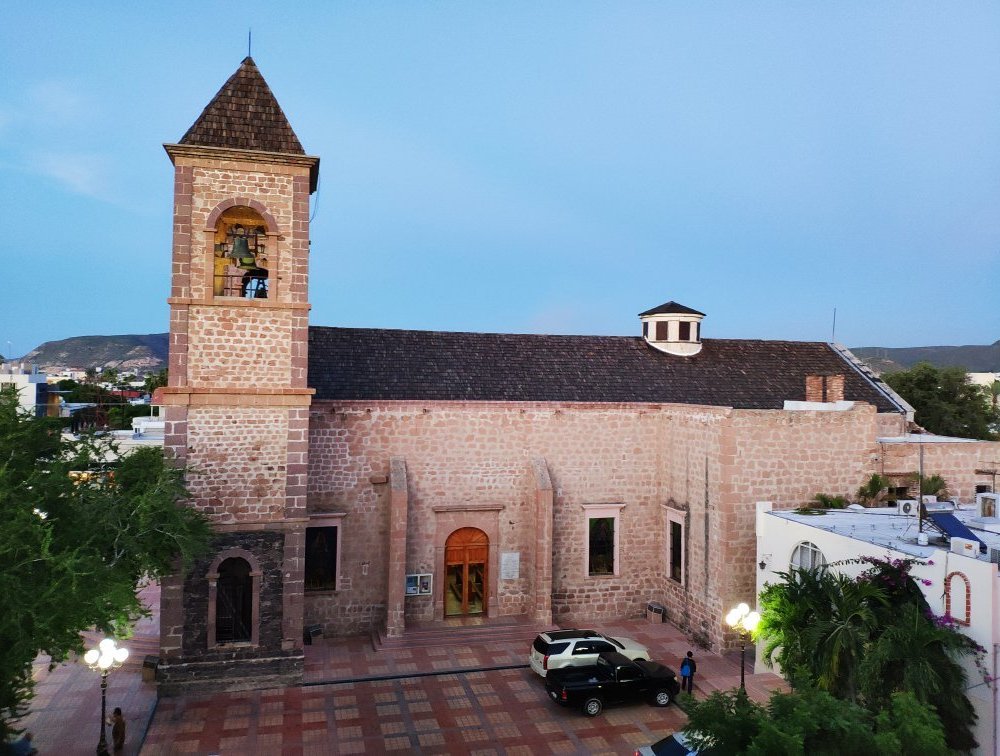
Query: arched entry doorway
point(466, 555)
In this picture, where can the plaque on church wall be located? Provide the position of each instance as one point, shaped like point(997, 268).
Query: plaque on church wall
point(510, 565)
point(419, 585)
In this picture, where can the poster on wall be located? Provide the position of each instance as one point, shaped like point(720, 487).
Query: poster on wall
point(510, 565)
point(419, 584)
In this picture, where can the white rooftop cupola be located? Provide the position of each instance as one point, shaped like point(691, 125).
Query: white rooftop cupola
point(673, 328)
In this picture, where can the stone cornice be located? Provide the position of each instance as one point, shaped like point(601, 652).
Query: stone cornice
point(267, 304)
point(186, 396)
point(468, 508)
point(198, 152)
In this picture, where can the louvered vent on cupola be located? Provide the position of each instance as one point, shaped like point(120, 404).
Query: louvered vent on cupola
point(673, 328)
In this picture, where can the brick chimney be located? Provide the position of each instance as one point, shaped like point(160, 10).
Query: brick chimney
point(824, 388)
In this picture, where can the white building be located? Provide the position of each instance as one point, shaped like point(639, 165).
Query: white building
point(963, 573)
point(31, 386)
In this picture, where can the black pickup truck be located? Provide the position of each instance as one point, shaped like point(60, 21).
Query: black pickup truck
point(614, 678)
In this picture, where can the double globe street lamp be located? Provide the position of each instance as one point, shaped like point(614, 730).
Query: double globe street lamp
point(743, 621)
point(103, 659)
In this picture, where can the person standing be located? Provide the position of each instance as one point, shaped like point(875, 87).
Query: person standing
point(688, 668)
point(118, 730)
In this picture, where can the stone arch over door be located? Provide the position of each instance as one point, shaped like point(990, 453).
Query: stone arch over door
point(482, 517)
point(253, 576)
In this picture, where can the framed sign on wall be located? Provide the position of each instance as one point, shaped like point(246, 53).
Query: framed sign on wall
point(419, 584)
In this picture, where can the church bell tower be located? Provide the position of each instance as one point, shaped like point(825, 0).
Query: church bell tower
point(237, 403)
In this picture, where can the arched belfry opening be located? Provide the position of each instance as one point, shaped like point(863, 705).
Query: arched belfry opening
point(241, 262)
point(466, 585)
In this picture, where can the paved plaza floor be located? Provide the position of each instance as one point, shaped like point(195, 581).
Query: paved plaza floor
point(433, 692)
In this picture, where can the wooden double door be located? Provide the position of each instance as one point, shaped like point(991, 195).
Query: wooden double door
point(466, 585)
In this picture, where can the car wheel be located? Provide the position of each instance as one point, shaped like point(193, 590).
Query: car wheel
point(592, 707)
point(662, 698)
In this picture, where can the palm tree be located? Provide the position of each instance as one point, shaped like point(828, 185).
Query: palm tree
point(873, 490)
point(839, 640)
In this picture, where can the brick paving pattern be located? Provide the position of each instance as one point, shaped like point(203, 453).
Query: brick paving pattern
point(437, 700)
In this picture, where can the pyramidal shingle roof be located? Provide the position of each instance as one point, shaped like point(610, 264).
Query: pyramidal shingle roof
point(670, 308)
point(244, 115)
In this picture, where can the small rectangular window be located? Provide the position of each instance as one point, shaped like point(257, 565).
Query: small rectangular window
point(645, 329)
point(321, 559)
point(602, 546)
point(684, 331)
point(676, 551)
point(662, 332)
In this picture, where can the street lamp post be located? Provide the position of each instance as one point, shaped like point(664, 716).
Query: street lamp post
point(743, 621)
point(103, 659)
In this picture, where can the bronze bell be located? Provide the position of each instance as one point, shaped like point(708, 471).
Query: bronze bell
point(241, 253)
point(240, 248)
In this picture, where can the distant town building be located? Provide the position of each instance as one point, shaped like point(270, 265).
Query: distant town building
point(32, 389)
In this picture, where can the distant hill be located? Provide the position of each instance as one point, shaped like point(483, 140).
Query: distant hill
point(139, 353)
point(148, 353)
point(975, 359)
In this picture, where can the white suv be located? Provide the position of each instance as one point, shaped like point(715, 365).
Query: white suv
point(578, 648)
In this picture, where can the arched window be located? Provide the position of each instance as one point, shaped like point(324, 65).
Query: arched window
point(807, 556)
point(234, 610)
point(241, 266)
point(958, 598)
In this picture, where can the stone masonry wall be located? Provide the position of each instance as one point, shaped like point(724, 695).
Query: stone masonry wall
point(479, 455)
point(237, 347)
point(709, 464)
point(216, 181)
point(236, 461)
point(785, 458)
point(955, 462)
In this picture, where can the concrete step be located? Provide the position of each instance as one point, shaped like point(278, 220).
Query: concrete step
point(445, 634)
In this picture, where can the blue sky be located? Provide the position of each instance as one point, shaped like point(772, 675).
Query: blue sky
point(540, 167)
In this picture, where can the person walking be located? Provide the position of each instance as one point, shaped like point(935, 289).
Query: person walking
point(688, 668)
point(118, 730)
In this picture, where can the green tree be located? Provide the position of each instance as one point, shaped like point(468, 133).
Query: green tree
point(71, 553)
point(154, 381)
point(909, 728)
point(945, 402)
point(863, 639)
point(727, 722)
point(806, 721)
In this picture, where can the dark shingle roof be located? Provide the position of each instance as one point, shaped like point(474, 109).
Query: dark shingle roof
point(244, 115)
point(371, 364)
point(670, 308)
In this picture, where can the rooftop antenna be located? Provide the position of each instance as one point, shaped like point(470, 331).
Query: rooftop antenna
point(249, 41)
point(833, 333)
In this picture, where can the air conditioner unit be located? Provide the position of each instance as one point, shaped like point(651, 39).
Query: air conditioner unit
point(995, 556)
point(907, 508)
point(965, 546)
